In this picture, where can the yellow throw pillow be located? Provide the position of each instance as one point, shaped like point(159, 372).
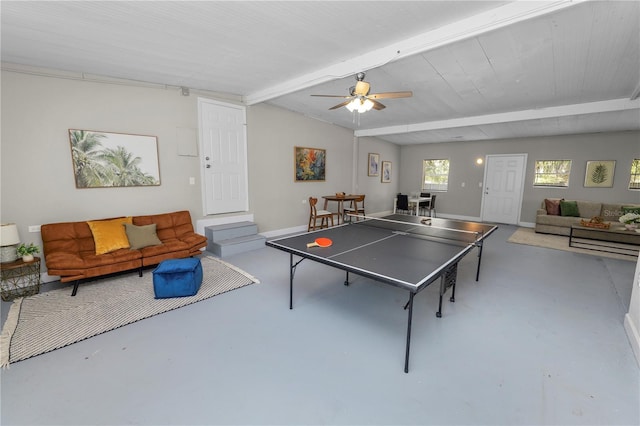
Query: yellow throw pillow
point(109, 235)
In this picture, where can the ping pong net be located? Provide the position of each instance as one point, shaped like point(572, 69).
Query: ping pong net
point(447, 231)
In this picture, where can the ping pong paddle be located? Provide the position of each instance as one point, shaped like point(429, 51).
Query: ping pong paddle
point(320, 242)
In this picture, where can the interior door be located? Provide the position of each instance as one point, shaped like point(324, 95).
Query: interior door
point(503, 188)
point(223, 144)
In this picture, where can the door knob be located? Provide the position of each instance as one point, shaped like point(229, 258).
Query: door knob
point(208, 166)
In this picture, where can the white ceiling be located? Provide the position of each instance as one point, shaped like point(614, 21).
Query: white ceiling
point(478, 69)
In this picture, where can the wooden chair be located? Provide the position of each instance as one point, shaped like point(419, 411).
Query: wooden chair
point(355, 208)
point(315, 214)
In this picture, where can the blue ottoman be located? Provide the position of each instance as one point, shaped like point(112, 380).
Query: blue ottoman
point(177, 278)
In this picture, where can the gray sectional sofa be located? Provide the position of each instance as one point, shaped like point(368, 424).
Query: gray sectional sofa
point(561, 225)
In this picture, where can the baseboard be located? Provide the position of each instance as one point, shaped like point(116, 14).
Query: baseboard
point(303, 228)
point(46, 278)
point(285, 231)
point(634, 336)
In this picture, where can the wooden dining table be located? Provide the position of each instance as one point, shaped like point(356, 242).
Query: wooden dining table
point(340, 199)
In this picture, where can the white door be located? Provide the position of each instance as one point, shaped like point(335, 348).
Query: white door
point(503, 187)
point(223, 144)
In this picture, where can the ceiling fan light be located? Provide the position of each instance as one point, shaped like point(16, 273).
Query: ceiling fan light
point(366, 106)
point(360, 105)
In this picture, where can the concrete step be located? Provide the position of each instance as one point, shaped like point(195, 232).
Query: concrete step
point(228, 231)
point(231, 246)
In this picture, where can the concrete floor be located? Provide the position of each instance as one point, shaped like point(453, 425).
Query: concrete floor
point(539, 340)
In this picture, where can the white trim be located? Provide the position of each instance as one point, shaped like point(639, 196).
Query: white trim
point(285, 231)
point(612, 105)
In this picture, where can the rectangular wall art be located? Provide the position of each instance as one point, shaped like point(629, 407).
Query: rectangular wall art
point(599, 174)
point(309, 164)
point(108, 160)
point(374, 164)
point(386, 172)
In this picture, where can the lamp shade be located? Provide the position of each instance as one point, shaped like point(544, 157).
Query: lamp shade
point(8, 240)
point(9, 234)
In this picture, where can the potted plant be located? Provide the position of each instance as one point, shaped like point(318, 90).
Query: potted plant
point(27, 251)
point(630, 220)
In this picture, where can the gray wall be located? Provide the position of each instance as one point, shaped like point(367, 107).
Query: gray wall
point(466, 201)
point(37, 181)
point(277, 201)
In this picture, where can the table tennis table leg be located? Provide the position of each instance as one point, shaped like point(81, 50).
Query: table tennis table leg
point(291, 270)
point(479, 259)
point(346, 280)
point(409, 316)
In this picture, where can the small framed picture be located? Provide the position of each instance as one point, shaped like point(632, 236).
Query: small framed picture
point(599, 174)
point(374, 164)
point(386, 172)
point(309, 164)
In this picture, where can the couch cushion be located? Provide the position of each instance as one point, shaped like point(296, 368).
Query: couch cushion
point(552, 206)
point(142, 236)
point(109, 235)
point(589, 209)
point(569, 208)
point(561, 221)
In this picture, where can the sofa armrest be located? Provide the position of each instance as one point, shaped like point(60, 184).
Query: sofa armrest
point(541, 212)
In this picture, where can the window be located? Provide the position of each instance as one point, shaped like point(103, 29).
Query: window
point(435, 175)
point(634, 181)
point(552, 173)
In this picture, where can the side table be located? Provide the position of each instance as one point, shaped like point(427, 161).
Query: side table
point(19, 279)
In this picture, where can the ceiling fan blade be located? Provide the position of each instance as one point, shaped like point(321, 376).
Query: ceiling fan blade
point(362, 88)
point(340, 105)
point(377, 105)
point(390, 95)
point(332, 96)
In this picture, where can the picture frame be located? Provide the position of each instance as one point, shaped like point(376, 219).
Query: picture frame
point(113, 160)
point(309, 164)
point(373, 164)
point(386, 172)
point(599, 174)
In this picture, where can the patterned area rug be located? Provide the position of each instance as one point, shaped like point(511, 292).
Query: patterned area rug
point(53, 319)
point(528, 236)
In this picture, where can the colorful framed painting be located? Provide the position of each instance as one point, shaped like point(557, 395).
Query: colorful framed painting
point(112, 160)
point(309, 164)
point(386, 172)
point(599, 174)
point(374, 164)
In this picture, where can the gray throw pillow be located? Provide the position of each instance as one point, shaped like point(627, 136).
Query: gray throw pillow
point(142, 236)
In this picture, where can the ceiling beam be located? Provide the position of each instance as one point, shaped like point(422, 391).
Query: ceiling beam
point(507, 117)
point(473, 26)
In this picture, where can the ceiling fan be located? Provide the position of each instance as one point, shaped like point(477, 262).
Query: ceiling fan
point(359, 98)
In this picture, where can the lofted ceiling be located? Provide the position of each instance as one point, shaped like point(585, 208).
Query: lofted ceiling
point(477, 69)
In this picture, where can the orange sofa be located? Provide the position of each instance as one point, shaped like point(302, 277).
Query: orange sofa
point(70, 250)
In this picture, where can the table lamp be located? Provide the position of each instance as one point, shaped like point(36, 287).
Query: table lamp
point(9, 239)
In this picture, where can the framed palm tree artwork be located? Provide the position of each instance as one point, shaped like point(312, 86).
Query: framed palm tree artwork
point(599, 174)
point(109, 160)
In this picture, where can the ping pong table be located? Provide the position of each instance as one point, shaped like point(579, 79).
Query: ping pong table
point(404, 251)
